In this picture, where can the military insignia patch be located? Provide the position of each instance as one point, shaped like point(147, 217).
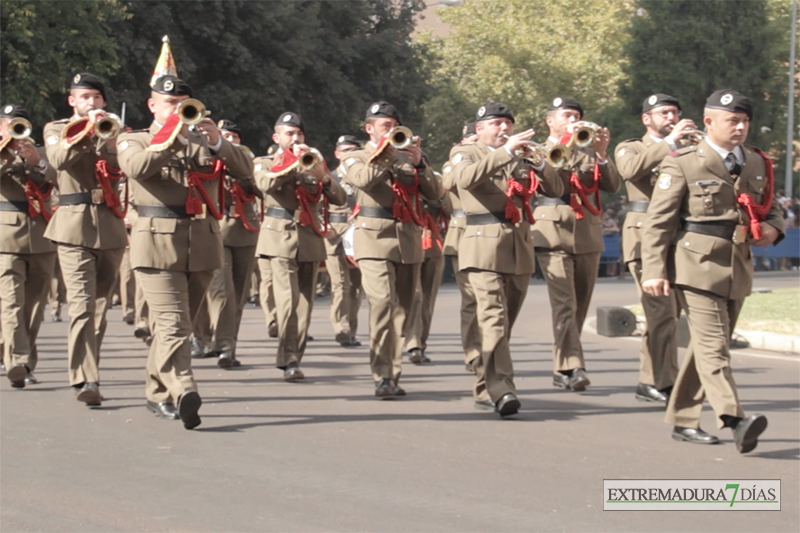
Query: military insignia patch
point(447, 169)
point(122, 146)
point(287, 118)
point(53, 139)
point(664, 181)
point(652, 100)
point(557, 102)
point(8, 109)
point(457, 159)
point(76, 79)
point(621, 153)
point(340, 140)
point(726, 99)
point(169, 85)
point(220, 124)
point(258, 168)
point(481, 111)
point(350, 162)
point(375, 108)
point(464, 130)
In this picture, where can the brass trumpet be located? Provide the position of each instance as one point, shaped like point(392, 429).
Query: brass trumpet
point(585, 133)
point(559, 155)
point(20, 129)
point(192, 111)
point(401, 137)
point(692, 139)
point(108, 126)
point(309, 159)
point(532, 152)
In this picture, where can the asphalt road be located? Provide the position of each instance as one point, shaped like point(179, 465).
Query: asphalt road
point(325, 455)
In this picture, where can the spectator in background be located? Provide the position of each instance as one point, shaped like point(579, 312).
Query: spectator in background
point(610, 228)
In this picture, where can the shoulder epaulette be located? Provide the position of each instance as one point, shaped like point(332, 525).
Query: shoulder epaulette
point(683, 151)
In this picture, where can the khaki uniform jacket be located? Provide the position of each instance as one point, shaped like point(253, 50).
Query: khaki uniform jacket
point(19, 233)
point(287, 238)
point(694, 185)
point(159, 178)
point(437, 209)
point(556, 226)
point(638, 161)
point(378, 238)
point(88, 225)
point(457, 224)
point(333, 243)
point(482, 176)
point(234, 234)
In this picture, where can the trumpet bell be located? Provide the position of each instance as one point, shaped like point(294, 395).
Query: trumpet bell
point(310, 159)
point(20, 128)
point(192, 111)
point(108, 127)
point(401, 137)
point(585, 134)
point(558, 156)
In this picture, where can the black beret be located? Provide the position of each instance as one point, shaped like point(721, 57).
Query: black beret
point(14, 111)
point(565, 103)
point(468, 129)
point(347, 139)
point(658, 100)
point(493, 110)
point(87, 80)
point(229, 125)
point(383, 109)
point(287, 118)
point(730, 100)
point(172, 85)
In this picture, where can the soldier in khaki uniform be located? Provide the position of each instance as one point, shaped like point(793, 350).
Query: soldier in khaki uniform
point(221, 313)
point(27, 259)
point(265, 293)
point(388, 237)
point(470, 333)
point(711, 203)
point(418, 324)
point(87, 227)
point(496, 249)
point(345, 276)
point(638, 161)
point(291, 238)
point(568, 240)
point(175, 175)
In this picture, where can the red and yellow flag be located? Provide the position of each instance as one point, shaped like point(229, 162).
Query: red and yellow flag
point(165, 64)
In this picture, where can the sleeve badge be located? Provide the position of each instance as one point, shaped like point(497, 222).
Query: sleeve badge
point(664, 182)
point(350, 162)
point(53, 139)
point(457, 159)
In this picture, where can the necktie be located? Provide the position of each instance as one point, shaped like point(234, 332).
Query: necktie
point(732, 164)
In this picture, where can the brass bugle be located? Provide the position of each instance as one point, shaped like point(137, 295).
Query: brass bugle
point(192, 111)
point(20, 128)
point(691, 139)
point(559, 155)
point(585, 133)
point(401, 137)
point(108, 126)
point(531, 151)
point(310, 159)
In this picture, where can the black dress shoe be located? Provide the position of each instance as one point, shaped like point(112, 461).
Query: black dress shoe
point(472, 366)
point(90, 395)
point(141, 333)
point(293, 373)
point(747, 432)
point(236, 363)
point(384, 388)
point(508, 405)
point(30, 379)
point(226, 359)
point(695, 436)
point(578, 380)
point(354, 342)
point(273, 330)
point(163, 410)
point(188, 406)
point(343, 338)
point(398, 390)
point(484, 405)
point(128, 319)
point(16, 375)
point(309, 338)
point(648, 393)
point(417, 356)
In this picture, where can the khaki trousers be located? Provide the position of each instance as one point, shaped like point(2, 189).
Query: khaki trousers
point(706, 368)
point(470, 332)
point(345, 294)
point(658, 356)
point(293, 283)
point(217, 322)
point(419, 321)
point(266, 295)
point(499, 298)
point(570, 283)
point(140, 305)
point(127, 284)
point(58, 292)
point(389, 287)
point(173, 300)
point(24, 284)
point(89, 276)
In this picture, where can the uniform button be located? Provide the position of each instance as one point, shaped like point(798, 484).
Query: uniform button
point(364, 224)
point(152, 228)
point(542, 215)
point(638, 223)
point(686, 243)
point(479, 233)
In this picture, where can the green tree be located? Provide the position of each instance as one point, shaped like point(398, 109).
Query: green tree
point(43, 44)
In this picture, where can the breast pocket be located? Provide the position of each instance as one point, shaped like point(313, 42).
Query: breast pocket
point(160, 226)
point(10, 218)
point(490, 231)
point(705, 197)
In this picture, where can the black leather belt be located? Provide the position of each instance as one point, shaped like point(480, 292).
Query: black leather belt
point(337, 218)
point(279, 212)
point(459, 213)
point(638, 206)
point(163, 211)
point(14, 205)
point(723, 230)
point(75, 198)
point(546, 200)
point(375, 212)
point(481, 219)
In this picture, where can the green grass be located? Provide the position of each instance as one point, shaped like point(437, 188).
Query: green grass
point(777, 311)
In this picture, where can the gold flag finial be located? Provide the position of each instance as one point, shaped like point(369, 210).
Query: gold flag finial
point(165, 64)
